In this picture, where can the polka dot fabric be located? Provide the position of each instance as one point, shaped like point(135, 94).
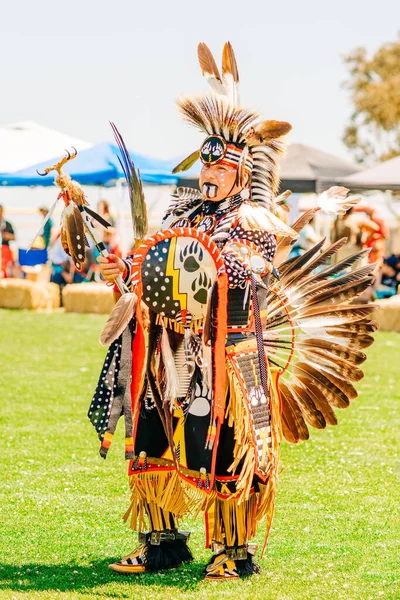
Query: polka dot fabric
point(100, 408)
point(264, 240)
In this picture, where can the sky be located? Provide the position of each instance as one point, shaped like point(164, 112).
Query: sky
point(75, 65)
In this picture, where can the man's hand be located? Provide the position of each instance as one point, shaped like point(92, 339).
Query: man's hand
point(111, 267)
point(8, 237)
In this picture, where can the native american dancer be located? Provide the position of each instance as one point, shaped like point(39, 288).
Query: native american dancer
point(223, 345)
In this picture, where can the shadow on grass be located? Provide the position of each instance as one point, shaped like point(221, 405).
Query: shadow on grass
point(72, 577)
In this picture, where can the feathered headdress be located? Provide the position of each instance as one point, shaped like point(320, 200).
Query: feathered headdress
point(234, 134)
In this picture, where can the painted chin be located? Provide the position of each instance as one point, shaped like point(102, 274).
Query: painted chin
point(209, 190)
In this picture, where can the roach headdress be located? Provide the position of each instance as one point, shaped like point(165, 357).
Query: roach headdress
point(235, 135)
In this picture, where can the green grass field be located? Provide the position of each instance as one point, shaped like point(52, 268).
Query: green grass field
point(336, 529)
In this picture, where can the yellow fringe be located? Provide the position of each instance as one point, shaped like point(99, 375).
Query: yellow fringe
point(238, 418)
point(161, 493)
point(195, 325)
point(267, 493)
point(234, 523)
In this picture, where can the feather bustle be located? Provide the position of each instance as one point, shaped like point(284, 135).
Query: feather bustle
point(320, 402)
point(310, 412)
point(293, 412)
point(333, 393)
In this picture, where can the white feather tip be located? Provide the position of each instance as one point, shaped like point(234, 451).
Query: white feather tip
point(336, 202)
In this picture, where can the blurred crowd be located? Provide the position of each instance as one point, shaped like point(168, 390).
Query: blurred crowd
point(364, 229)
point(361, 225)
point(47, 259)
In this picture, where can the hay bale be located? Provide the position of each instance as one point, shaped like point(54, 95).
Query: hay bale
point(388, 315)
point(21, 293)
point(88, 298)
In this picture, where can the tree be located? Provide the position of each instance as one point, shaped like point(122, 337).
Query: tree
point(373, 132)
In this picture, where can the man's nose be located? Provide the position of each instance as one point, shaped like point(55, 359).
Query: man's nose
point(210, 176)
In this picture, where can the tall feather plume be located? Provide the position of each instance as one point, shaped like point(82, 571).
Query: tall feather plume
point(209, 69)
point(136, 195)
point(230, 74)
point(121, 314)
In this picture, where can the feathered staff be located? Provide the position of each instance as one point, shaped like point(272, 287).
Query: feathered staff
point(76, 217)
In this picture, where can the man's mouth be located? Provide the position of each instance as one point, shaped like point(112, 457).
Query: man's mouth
point(209, 190)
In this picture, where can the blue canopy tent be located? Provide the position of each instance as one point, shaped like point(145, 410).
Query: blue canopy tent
point(98, 165)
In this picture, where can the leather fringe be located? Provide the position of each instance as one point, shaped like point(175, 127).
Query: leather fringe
point(159, 495)
point(196, 325)
point(238, 418)
point(233, 523)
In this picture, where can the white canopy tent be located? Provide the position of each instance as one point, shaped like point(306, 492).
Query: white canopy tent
point(27, 143)
point(384, 176)
point(24, 144)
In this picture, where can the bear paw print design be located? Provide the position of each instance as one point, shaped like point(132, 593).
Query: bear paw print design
point(191, 257)
point(200, 287)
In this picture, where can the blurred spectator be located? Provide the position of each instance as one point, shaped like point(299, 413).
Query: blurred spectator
point(7, 235)
point(62, 269)
point(46, 233)
point(377, 235)
point(347, 226)
point(389, 275)
point(109, 235)
point(306, 240)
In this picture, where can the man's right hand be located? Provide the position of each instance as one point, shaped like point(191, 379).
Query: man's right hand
point(111, 267)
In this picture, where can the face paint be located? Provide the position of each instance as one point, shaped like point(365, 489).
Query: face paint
point(218, 181)
point(209, 190)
